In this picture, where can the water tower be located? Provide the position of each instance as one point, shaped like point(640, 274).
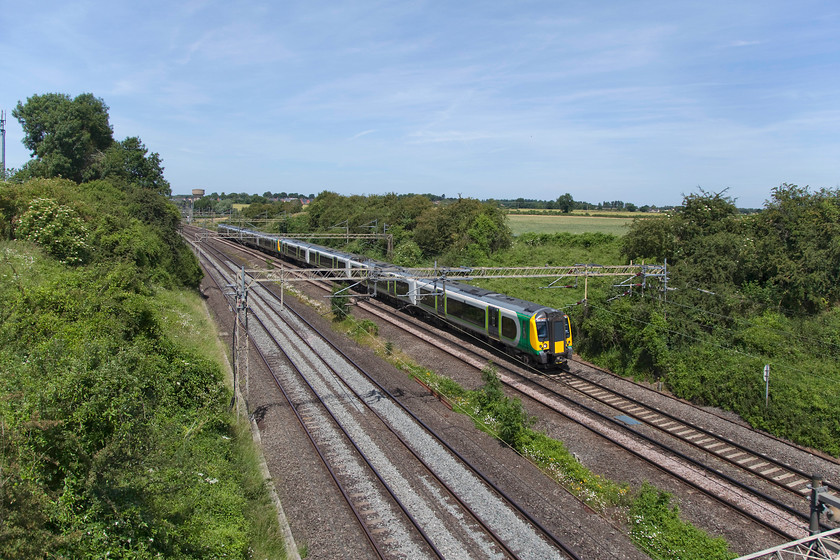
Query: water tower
point(196, 193)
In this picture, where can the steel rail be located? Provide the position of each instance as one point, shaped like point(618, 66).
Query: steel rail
point(349, 438)
point(654, 442)
point(460, 457)
point(740, 462)
point(402, 440)
point(359, 517)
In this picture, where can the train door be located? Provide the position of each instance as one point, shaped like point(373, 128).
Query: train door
point(558, 332)
point(493, 322)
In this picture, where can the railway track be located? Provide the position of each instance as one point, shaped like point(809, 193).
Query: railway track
point(758, 506)
point(790, 519)
point(787, 478)
point(342, 392)
point(776, 515)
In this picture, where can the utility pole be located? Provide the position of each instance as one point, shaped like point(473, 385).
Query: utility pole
point(3, 134)
point(240, 340)
point(242, 335)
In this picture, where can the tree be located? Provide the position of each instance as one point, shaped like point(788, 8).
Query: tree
point(268, 209)
point(566, 203)
point(129, 162)
point(796, 248)
point(467, 221)
point(650, 239)
point(339, 303)
point(703, 214)
point(327, 210)
point(64, 135)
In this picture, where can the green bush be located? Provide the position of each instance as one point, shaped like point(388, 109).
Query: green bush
point(58, 229)
point(339, 303)
point(656, 528)
point(367, 326)
point(107, 414)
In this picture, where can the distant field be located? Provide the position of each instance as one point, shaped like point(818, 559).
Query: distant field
point(601, 213)
point(520, 223)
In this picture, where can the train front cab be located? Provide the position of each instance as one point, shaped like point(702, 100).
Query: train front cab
point(551, 336)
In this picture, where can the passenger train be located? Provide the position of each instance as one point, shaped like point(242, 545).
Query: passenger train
point(533, 333)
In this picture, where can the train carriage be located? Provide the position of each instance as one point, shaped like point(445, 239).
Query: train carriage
point(531, 332)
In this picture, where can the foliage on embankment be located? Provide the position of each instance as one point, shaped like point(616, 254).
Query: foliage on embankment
point(115, 435)
point(743, 292)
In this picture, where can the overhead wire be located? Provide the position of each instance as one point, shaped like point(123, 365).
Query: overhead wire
point(787, 313)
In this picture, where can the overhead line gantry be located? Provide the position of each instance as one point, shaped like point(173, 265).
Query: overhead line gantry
point(635, 275)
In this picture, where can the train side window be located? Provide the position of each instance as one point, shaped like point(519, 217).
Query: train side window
point(466, 312)
point(426, 298)
point(508, 328)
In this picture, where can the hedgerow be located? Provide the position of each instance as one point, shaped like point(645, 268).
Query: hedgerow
point(115, 434)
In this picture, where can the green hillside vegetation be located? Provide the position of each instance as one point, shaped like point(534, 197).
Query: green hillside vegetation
point(744, 291)
point(451, 231)
point(748, 291)
point(116, 438)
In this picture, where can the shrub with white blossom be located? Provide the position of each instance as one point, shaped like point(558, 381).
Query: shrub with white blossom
point(57, 228)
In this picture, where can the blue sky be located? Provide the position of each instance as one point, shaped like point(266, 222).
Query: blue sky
point(613, 100)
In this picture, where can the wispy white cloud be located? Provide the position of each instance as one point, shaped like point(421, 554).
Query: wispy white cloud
point(238, 43)
point(427, 136)
point(362, 133)
point(483, 99)
point(743, 43)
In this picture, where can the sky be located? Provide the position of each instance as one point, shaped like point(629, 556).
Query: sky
point(639, 101)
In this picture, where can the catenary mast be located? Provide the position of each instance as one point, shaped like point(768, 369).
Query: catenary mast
point(3, 134)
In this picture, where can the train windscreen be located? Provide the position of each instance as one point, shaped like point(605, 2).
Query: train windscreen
point(542, 326)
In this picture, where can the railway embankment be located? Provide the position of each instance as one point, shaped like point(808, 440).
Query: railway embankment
point(116, 437)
